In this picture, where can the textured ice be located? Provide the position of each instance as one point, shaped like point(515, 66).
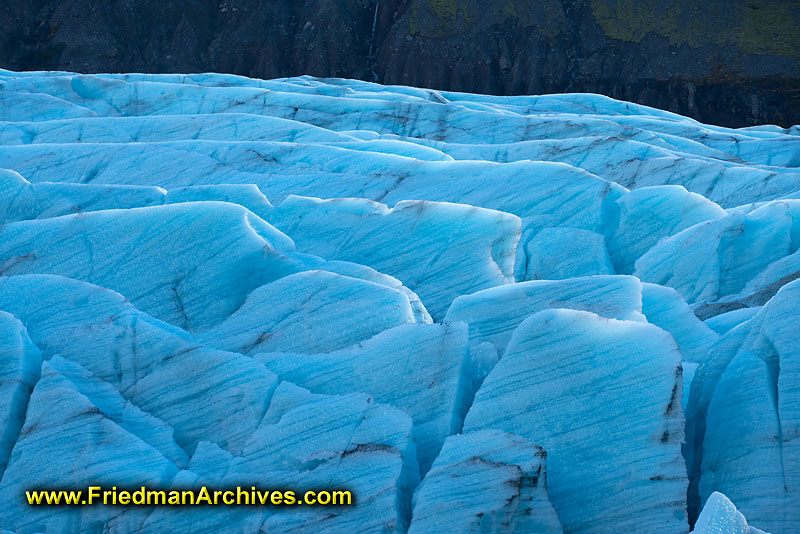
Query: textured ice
point(725, 322)
point(229, 401)
point(737, 261)
point(217, 253)
point(486, 481)
point(208, 127)
point(419, 368)
point(418, 295)
point(602, 396)
point(437, 250)
point(307, 441)
point(493, 314)
point(20, 361)
point(720, 516)
point(24, 201)
point(665, 308)
point(67, 440)
point(567, 195)
point(362, 272)
point(335, 438)
point(559, 253)
point(143, 358)
point(648, 147)
point(744, 413)
point(310, 312)
point(649, 214)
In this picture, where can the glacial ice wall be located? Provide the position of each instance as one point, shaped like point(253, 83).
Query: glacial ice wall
point(480, 314)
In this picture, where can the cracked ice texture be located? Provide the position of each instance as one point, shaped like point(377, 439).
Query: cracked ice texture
point(737, 261)
point(486, 481)
point(603, 397)
point(745, 441)
point(310, 312)
point(406, 242)
point(20, 361)
point(419, 368)
point(457, 256)
point(201, 259)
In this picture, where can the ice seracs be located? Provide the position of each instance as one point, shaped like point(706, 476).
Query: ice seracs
point(69, 441)
point(744, 441)
point(217, 253)
point(737, 261)
point(486, 481)
point(419, 368)
point(438, 250)
point(143, 358)
point(20, 362)
point(312, 312)
point(433, 299)
point(603, 397)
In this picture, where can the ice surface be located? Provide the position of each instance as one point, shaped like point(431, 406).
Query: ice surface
point(725, 322)
point(639, 147)
point(209, 127)
point(419, 368)
point(437, 250)
point(217, 253)
point(345, 440)
point(743, 439)
point(310, 312)
point(143, 358)
point(733, 262)
point(602, 396)
point(24, 201)
point(650, 214)
point(493, 314)
point(68, 441)
point(559, 253)
point(356, 270)
point(486, 481)
point(720, 516)
point(665, 308)
point(232, 410)
point(415, 294)
point(20, 361)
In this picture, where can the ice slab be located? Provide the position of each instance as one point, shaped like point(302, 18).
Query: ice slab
point(203, 394)
point(419, 368)
point(737, 261)
point(20, 363)
point(312, 311)
point(602, 396)
point(438, 250)
point(217, 253)
point(64, 429)
point(486, 481)
point(720, 516)
point(743, 441)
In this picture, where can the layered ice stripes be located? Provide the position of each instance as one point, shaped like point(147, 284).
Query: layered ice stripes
point(542, 314)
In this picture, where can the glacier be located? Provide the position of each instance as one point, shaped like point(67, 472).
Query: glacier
point(531, 314)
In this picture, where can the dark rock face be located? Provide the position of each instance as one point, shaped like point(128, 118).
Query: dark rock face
point(730, 62)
